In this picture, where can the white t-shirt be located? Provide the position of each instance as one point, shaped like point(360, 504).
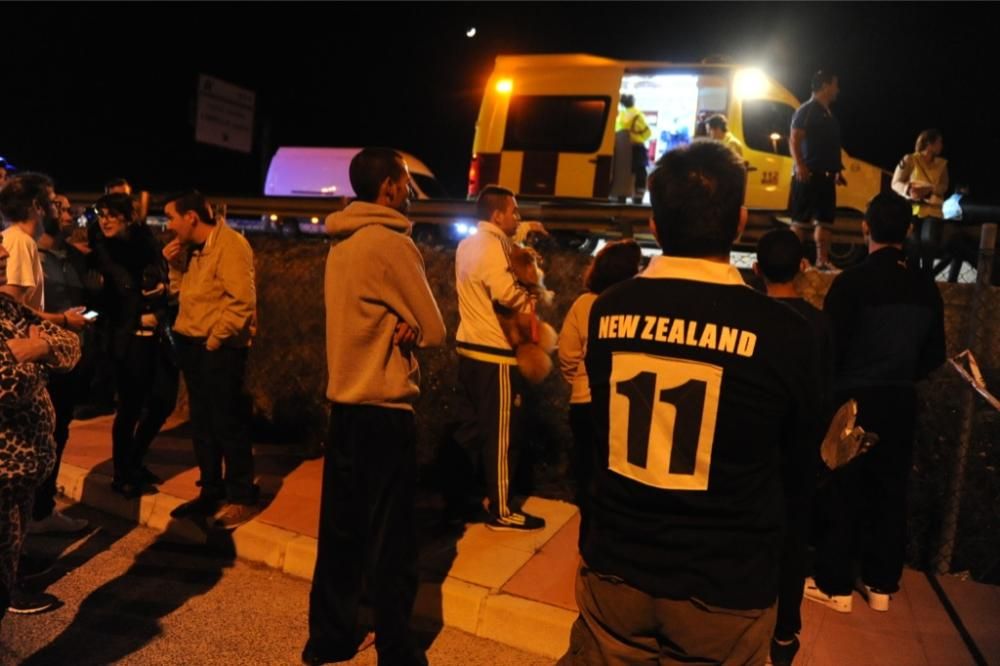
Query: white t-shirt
point(24, 266)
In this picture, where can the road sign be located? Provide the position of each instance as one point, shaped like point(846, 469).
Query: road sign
point(224, 115)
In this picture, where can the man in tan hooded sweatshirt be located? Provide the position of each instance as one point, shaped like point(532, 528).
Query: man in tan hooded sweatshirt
point(378, 308)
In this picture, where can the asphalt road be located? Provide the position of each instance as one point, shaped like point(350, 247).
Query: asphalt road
point(132, 597)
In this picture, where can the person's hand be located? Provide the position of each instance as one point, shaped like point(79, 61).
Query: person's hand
point(404, 337)
point(213, 344)
point(172, 252)
point(919, 192)
point(31, 348)
point(148, 320)
point(841, 180)
point(75, 320)
point(802, 173)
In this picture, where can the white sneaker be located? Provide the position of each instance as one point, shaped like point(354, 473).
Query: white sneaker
point(57, 522)
point(838, 602)
point(877, 601)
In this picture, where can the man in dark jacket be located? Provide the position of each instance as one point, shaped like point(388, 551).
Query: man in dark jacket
point(888, 326)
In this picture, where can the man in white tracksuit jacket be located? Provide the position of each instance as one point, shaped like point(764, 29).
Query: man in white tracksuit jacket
point(487, 364)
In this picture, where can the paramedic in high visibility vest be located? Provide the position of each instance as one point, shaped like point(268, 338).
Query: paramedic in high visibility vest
point(632, 120)
point(922, 177)
point(718, 128)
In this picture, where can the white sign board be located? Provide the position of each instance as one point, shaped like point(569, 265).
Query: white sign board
point(224, 115)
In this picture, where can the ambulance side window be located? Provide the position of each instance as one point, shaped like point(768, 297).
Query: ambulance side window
point(766, 125)
point(554, 123)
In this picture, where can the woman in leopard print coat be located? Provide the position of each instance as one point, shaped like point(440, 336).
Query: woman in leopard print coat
point(29, 349)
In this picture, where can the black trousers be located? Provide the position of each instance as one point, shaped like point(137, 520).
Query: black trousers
point(495, 396)
point(862, 509)
point(367, 538)
point(640, 160)
point(220, 412)
point(64, 390)
point(583, 459)
point(791, 575)
point(147, 394)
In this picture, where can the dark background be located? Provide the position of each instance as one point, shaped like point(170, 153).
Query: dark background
point(94, 91)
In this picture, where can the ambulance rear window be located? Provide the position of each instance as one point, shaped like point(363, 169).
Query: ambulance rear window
point(766, 125)
point(559, 124)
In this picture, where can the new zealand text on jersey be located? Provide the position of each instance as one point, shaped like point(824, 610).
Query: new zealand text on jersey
point(679, 332)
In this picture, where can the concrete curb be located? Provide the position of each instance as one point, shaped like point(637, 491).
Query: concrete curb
point(479, 610)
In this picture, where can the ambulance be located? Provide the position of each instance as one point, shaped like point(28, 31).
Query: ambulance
point(299, 171)
point(546, 127)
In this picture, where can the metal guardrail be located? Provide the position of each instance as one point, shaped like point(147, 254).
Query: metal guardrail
point(603, 219)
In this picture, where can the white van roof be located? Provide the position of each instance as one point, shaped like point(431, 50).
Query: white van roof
point(298, 171)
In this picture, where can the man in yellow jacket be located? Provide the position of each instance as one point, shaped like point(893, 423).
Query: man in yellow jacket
point(212, 271)
point(630, 119)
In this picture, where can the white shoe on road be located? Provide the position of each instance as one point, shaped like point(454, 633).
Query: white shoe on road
point(877, 601)
point(838, 602)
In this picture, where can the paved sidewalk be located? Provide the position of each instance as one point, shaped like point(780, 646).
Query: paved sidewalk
point(513, 588)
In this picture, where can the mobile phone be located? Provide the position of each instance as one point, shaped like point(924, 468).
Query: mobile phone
point(90, 315)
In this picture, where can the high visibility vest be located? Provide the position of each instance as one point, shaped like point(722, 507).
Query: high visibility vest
point(935, 175)
point(631, 119)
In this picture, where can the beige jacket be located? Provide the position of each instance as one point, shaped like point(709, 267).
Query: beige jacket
point(375, 280)
point(573, 347)
point(218, 295)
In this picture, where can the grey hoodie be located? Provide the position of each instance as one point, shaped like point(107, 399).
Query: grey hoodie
point(375, 279)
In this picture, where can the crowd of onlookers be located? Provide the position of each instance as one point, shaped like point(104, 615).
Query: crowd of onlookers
point(109, 310)
point(698, 405)
point(698, 408)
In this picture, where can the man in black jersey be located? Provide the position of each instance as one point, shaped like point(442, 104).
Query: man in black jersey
point(702, 389)
point(780, 259)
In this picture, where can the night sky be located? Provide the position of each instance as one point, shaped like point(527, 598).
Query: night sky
point(86, 99)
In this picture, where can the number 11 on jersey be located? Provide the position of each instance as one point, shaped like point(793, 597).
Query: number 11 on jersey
point(662, 415)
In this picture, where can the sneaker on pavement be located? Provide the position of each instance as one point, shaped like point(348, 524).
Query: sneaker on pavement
point(199, 506)
point(130, 490)
point(314, 657)
point(783, 653)
point(877, 600)
point(57, 523)
point(29, 603)
point(838, 602)
point(234, 515)
point(147, 476)
point(29, 567)
point(366, 642)
point(516, 522)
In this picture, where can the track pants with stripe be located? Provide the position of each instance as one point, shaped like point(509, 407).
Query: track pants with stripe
point(496, 394)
